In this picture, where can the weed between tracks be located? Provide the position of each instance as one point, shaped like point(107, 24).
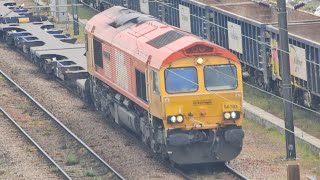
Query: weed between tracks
point(90, 173)
point(72, 159)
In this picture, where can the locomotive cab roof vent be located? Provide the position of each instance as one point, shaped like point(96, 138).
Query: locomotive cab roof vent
point(126, 16)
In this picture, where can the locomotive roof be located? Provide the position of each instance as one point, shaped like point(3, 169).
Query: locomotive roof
point(145, 38)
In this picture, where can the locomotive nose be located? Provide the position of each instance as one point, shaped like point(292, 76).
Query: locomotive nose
point(203, 111)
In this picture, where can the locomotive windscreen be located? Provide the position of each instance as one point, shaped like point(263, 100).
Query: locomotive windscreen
point(220, 77)
point(180, 80)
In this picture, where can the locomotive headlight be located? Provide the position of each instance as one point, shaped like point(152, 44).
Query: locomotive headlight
point(179, 118)
point(227, 115)
point(200, 60)
point(173, 119)
point(233, 115)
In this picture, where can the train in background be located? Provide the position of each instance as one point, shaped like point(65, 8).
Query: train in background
point(151, 78)
point(249, 30)
point(181, 94)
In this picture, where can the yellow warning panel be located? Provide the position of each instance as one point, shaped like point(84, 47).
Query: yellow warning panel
point(24, 20)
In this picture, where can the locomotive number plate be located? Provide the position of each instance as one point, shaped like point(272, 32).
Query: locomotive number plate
point(231, 107)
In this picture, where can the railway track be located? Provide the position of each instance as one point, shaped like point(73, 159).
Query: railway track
point(235, 173)
point(40, 149)
point(72, 158)
point(203, 171)
point(210, 171)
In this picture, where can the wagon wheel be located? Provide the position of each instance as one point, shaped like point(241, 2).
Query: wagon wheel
point(307, 99)
point(298, 96)
point(259, 79)
point(279, 89)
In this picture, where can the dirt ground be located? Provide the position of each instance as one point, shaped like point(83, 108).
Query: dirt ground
point(18, 158)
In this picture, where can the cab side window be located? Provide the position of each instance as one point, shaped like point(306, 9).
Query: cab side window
point(141, 85)
point(97, 48)
point(155, 82)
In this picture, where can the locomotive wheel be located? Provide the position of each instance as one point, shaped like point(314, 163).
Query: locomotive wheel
point(110, 108)
point(107, 112)
point(96, 104)
point(164, 154)
point(173, 164)
point(144, 139)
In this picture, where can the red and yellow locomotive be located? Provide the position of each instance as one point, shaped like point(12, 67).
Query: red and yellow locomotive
point(181, 94)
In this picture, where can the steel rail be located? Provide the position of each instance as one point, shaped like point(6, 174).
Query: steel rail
point(235, 172)
point(42, 151)
point(119, 176)
point(185, 176)
point(227, 167)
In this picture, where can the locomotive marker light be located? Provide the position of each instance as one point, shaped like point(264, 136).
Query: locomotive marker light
point(173, 119)
point(179, 118)
point(200, 60)
point(233, 115)
point(227, 115)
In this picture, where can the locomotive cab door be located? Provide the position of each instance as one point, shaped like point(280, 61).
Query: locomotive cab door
point(154, 94)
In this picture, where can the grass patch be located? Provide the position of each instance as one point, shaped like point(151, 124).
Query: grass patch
point(303, 150)
point(80, 37)
point(27, 107)
point(4, 93)
point(72, 159)
point(306, 157)
point(54, 169)
point(90, 173)
point(64, 146)
point(304, 119)
point(84, 12)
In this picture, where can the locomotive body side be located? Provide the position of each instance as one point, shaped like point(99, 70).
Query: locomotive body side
point(182, 95)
